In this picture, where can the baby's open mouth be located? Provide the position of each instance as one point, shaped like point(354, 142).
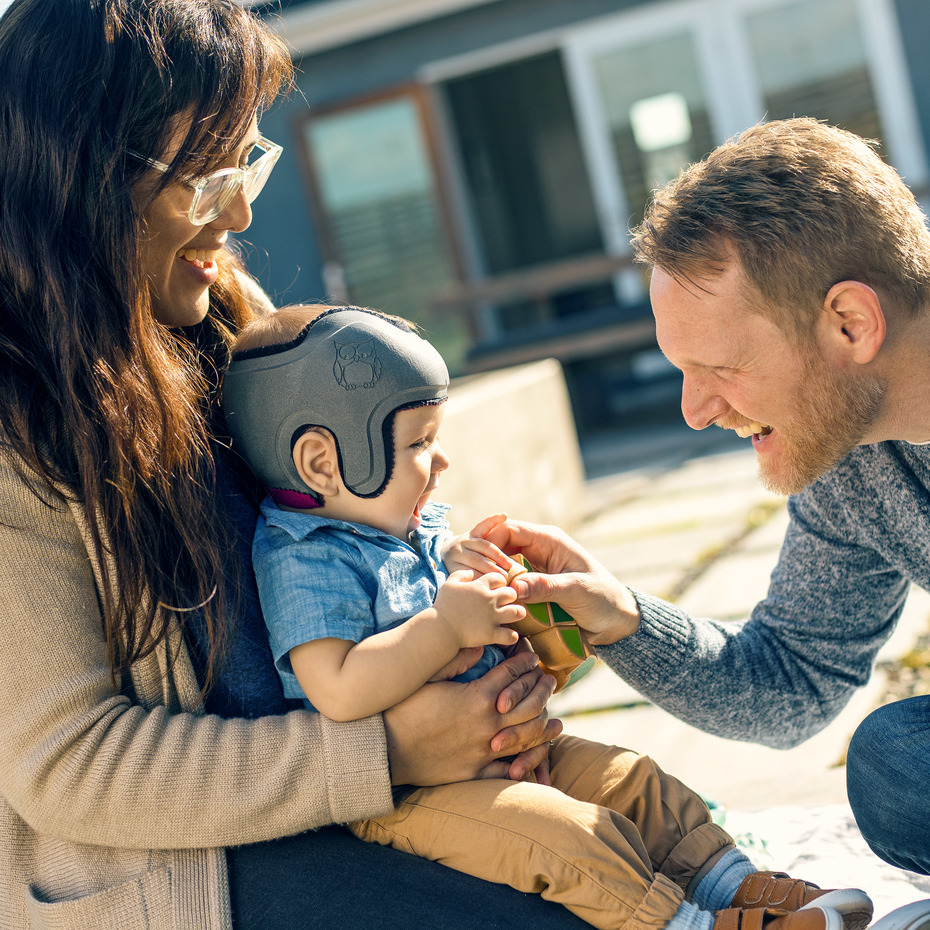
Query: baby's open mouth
point(752, 429)
point(422, 502)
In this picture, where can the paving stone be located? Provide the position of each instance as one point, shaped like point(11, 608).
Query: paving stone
point(731, 586)
point(914, 623)
point(658, 513)
point(673, 551)
point(771, 528)
point(738, 775)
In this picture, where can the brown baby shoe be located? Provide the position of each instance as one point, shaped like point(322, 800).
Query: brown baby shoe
point(772, 918)
point(778, 890)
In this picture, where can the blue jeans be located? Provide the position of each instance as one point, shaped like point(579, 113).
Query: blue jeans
point(888, 781)
point(329, 880)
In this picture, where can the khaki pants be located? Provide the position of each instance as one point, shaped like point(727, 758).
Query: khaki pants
point(615, 840)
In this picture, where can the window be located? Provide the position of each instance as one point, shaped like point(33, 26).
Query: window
point(811, 61)
point(702, 70)
point(656, 113)
point(520, 152)
point(382, 214)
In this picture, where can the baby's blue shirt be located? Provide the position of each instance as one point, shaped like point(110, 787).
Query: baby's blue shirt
point(320, 578)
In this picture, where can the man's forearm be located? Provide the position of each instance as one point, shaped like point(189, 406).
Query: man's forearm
point(735, 680)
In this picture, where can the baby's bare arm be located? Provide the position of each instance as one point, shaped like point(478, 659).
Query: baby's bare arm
point(348, 681)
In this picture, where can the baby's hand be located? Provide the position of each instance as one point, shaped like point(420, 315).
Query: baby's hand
point(472, 550)
point(478, 607)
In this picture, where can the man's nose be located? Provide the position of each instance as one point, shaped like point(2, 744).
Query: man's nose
point(701, 405)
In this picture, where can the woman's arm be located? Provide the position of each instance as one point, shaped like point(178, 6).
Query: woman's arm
point(347, 681)
point(111, 766)
point(89, 762)
point(494, 727)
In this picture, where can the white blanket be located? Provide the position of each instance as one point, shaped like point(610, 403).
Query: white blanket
point(824, 846)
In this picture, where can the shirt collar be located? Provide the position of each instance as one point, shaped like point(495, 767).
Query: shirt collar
point(300, 525)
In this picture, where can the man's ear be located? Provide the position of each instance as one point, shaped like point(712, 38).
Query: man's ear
point(853, 322)
point(317, 461)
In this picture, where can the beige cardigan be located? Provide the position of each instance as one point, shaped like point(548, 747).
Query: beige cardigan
point(115, 806)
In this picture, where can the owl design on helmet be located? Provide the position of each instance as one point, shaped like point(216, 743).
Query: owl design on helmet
point(357, 364)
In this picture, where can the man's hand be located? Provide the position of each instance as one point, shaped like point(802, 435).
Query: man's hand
point(605, 609)
point(494, 727)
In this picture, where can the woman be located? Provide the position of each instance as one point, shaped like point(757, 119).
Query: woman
point(144, 743)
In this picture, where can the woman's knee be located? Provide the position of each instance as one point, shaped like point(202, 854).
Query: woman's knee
point(887, 771)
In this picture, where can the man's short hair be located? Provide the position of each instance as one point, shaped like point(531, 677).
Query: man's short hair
point(802, 206)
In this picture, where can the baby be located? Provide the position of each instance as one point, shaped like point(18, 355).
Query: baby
point(368, 595)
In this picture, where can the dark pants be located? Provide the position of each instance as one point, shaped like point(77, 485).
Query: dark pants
point(888, 781)
point(329, 879)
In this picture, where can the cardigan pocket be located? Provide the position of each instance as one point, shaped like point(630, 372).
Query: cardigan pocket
point(141, 904)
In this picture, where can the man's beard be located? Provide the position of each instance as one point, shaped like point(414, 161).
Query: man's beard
point(834, 413)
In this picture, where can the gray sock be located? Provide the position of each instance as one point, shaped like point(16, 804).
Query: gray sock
point(716, 889)
point(690, 917)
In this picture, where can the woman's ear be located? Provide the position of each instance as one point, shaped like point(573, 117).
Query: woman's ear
point(317, 462)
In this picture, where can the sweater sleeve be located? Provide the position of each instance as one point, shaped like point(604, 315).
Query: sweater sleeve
point(83, 761)
point(783, 674)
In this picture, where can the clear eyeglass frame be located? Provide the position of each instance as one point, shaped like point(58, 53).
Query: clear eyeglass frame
point(216, 191)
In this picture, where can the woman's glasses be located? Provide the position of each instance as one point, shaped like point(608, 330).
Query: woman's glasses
point(215, 192)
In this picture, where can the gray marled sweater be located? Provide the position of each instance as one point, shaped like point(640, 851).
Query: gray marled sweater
point(856, 539)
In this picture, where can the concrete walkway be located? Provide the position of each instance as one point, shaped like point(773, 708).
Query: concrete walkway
point(682, 515)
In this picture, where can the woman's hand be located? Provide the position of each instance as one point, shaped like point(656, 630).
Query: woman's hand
point(449, 731)
point(465, 659)
point(605, 609)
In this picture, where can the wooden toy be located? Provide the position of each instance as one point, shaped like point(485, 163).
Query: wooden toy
point(555, 637)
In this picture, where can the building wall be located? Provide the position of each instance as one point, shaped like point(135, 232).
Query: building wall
point(286, 254)
point(511, 438)
point(282, 247)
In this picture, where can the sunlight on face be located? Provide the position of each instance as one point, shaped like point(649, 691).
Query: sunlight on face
point(742, 372)
point(833, 414)
point(179, 258)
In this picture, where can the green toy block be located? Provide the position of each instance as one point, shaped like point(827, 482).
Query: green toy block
point(555, 637)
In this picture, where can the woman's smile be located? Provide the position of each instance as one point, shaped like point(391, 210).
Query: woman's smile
point(180, 260)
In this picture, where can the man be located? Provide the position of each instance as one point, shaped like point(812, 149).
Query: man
point(791, 286)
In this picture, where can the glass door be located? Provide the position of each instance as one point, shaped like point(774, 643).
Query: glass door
point(382, 213)
point(658, 88)
point(655, 112)
point(519, 150)
point(526, 188)
point(810, 59)
point(645, 104)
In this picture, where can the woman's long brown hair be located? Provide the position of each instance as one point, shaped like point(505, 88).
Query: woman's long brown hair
point(97, 397)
